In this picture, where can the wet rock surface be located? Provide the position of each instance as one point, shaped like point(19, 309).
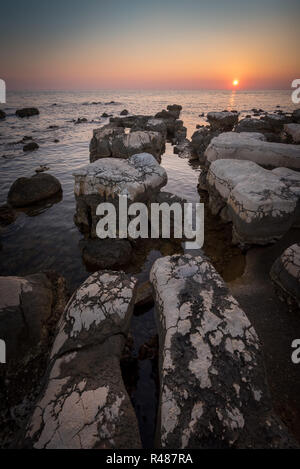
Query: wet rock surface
point(261, 204)
point(138, 177)
point(213, 387)
point(285, 273)
point(28, 191)
point(253, 147)
point(27, 112)
point(84, 403)
point(106, 253)
point(29, 310)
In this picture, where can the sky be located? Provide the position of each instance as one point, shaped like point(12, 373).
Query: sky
point(153, 44)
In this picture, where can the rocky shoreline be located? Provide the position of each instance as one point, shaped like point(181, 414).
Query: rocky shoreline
point(213, 387)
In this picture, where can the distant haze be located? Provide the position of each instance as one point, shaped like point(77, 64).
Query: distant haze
point(153, 44)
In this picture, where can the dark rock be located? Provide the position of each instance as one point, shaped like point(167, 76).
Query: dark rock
point(296, 116)
point(2, 114)
point(106, 253)
point(80, 120)
point(27, 112)
point(7, 215)
point(30, 146)
point(26, 191)
point(124, 112)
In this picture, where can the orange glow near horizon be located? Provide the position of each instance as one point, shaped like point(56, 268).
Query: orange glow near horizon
point(235, 82)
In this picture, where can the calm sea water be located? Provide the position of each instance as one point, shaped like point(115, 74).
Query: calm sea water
point(50, 239)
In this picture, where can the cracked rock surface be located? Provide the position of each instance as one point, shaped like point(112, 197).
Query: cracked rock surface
point(261, 204)
point(84, 403)
point(253, 147)
point(285, 273)
point(138, 177)
point(111, 141)
point(213, 392)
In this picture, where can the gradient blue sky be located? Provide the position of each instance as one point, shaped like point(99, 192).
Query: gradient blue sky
point(187, 44)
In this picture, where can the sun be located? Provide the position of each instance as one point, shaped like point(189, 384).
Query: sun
point(235, 82)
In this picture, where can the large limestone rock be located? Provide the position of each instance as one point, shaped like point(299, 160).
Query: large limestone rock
point(293, 131)
point(27, 191)
point(285, 274)
point(262, 204)
point(200, 141)
point(213, 391)
point(139, 177)
point(222, 121)
point(84, 403)
point(253, 147)
point(111, 141)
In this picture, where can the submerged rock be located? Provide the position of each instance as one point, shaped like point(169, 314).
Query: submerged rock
point(27, 112)
point(261, 204)
point(84, 403)
point(139, 177)
point(27, 191)
point(30, 146)
point(106, 253)
point(213, 390)
point(253, 147)
point(2, 114)
point(285, 273)
point(222, 121)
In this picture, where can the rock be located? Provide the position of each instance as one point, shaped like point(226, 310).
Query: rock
point(84, 403)
point(105, 115)
point(111, 141)
point(26, 191)
point(293, 131)
point(157, 125)
point(124, 112)
point(213, 390)
point(106, 253)
point(126, 145)
point(27, 112)
point(42, 169)
point(30, 146)
point(81, 120)
point(144, 295)
point(180, 131)
point(253, 147)
point(200, 141)
point(222, 121)
point(2, 114)
point(174, 110)
point(277, 121)
point(28, 307)
point(296, 116)
point(170, 117)
point(253, 125)
point(139, 177)
point(7, 215)
point(261, 204)
point(184, 149)
point(285, 273)
point(138, 122)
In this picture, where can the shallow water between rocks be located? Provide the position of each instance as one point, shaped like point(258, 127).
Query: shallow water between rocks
point(47, 239)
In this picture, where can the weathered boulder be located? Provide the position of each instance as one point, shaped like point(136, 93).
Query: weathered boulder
point(293, 131)
point(222, 121)
point(29, 307)
point(7, 215)
point(111, 141)
point(200, 141)
point(296, 116)
point(253, 147)
point(157, 125)
point(106, 253)
point(285, 273)
point(174, 110)
point(175, 129)
point(2, 114)
point(261, 204)
point(126, 145)
point(27, 191)
point(137, 121)
point(184, 149)
point(139, 177)
point(84, 403)
point(253, 125)
point(213, 391)
point(27, 112)
point(31, 146)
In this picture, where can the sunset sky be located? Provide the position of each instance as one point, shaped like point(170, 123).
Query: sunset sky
point(159, 44)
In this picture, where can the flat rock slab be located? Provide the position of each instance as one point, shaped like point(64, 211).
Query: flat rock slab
point(84, 403)
point(253, 147)
point(213, 392)
point(261, 204)
point(139, 178)
point(285, 274)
